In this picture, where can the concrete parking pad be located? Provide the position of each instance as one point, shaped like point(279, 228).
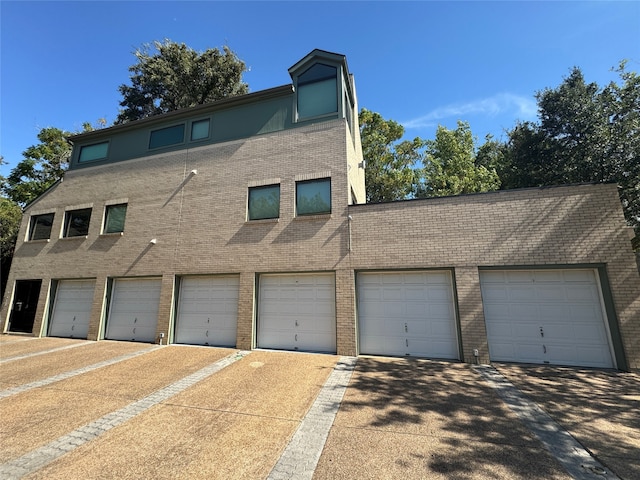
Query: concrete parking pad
point(426, 419)
point(599, 408)
point(31, 369)
point(14, 348)
point(234, 424)
point(34, 418)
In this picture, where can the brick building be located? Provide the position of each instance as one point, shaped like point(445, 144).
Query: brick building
point(242, 223)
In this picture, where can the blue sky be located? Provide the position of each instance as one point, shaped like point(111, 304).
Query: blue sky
point(419, 63)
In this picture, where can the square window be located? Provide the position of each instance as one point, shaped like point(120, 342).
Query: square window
point(200, 130)
point(40, 227)
point(313, 197)
point(167, 136)
point(76, 223)
point(264, 202)
point(114, 218)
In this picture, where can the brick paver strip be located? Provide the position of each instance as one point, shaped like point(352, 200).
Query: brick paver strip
point(72, 373)
point(300, 457)
point(41, 457)
point(566, 449)
point(35, 354)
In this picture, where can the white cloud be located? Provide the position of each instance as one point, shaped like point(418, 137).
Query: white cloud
point(522, 108)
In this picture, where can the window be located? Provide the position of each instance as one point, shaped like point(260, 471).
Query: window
point(76, 223)
point(317, 91)
point(114, 218)
point(167, 136)
point(264, 202)
point(200, 130)
point(40, 227)
point(313, 197)
point(89, 153)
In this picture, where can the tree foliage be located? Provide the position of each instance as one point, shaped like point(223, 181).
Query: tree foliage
point(585, 133)
point(42, 165)
point(390, 172)
point(451, 166)
point(169, 76)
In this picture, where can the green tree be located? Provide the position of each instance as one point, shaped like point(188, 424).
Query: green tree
point(10, 217)
point(585, 133)
point(168, 76)
point(43, 164)
point(390, 172)
point(451, 167)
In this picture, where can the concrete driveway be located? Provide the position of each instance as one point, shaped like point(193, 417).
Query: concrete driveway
point(76, 409)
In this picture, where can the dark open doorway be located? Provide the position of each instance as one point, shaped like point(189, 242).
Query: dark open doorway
point(25, 302)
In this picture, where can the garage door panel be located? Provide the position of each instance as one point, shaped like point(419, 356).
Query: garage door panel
point(134, 307)
point(548, 316)
point(582, 294)
point(208, 311)
point(72, 308)
point(439, 293)
point(297, 312)
point(582, 276)
point(549, 294)
point(407, 313)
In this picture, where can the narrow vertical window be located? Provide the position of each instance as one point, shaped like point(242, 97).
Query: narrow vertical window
point(114, 218)
point(318, 91)
point(264, 202)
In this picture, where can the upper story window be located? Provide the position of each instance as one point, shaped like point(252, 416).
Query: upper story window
point(318, 91)
point(200, 130)
point(264, 202)
point(40, 226)
point(167, 136)
point(90, 153)
point(76, 223)
point(313, 197)
point(114, 217)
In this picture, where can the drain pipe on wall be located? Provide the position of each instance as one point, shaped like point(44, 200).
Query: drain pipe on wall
point(349, 220)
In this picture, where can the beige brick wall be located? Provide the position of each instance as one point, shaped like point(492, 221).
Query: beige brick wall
point(564, 226)
point(199, 223)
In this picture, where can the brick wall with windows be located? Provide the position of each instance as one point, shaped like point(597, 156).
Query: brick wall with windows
point(193, 204)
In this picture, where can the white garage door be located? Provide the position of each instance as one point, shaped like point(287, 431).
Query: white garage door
point(208, 311)
point(133, 313)
point(72, 308)
point(407, 313)
point(297, 312)
point(545, 316)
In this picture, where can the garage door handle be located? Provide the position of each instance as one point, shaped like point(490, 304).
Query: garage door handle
point(207, 334)
point(406, 341)
point(134, 330)
point(296, 337)
point(74, 318)
point(406, 328)
point(135, 320)
point(544, 347)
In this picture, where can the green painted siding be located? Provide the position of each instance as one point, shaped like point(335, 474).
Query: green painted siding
point(230, 123)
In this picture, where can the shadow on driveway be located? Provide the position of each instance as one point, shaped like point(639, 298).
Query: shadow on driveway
point(413, 418)
point(600, 408)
